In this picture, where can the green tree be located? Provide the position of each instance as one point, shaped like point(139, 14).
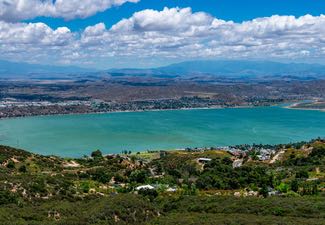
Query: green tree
point(22, 169)
point(264, 191)
point(254, 154)
point(101, 175)
point(283, 187)
point(97, 154)
point(302, 174)
point(295, 185)
point(7, 197)
point(150, 193)
point(138, 176)
point(11, 164)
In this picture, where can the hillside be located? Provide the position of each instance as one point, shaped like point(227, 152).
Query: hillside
point(166, 187)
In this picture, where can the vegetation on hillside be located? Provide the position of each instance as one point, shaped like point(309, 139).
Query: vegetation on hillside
point(176, 187)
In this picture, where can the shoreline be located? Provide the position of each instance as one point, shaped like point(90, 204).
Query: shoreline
point(293, 106)
point(155, 151)
point(161, 110)
point(133, 111)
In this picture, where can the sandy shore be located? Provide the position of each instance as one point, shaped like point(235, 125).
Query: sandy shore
point(296, 107)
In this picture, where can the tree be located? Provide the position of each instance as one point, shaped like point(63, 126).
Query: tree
point(85, 187)
point(97, 154)
point(22, 169)
point(150, 193)
point(264, 191)
point(101, 176)
point(205, 182)
point(295, 185)
point(138, 176)
point(11, 164)
point(318, 151)
point(227, 161)
point(309, 188)
point(38, 186)
point(302, 174)
point(6, 197)
point(254, 154)
point(283, 188)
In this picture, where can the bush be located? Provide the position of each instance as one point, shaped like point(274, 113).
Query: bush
point(294, 185)
point(22, 169)
point(264, 191)
point(85, 187)
point(11, 164)
point(7, 197)
point(284, 188)
point(97, 154)
point(138, 176)
point(101, 176)
point(302, 174)
point(38, 186)
point(150, 193)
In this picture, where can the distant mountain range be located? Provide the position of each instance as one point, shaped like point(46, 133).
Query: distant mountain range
point(11, 69)
point(232, 68)
point(229, 68)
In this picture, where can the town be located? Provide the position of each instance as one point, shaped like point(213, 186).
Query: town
point(111, 94)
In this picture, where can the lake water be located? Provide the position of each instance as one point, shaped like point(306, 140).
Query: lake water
point(76, 135)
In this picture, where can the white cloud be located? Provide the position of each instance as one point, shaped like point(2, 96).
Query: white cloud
point(167, 20)
point(180, 33)
point(38, 34)
point(15, 10)
point(168, 34)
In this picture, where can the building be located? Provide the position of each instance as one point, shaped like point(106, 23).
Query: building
point(149, 187)
point(203, 160)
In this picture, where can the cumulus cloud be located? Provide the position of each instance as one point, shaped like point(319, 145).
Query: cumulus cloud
point(179, 32)
point(15, 10)
point(167, 20)
point(38, 34)
point(34, 42)
point(175, 33)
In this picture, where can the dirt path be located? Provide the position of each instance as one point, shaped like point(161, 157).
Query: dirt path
point(277, 157)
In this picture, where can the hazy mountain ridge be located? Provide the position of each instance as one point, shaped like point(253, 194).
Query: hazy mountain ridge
point(228, 68)
point(246, 68)
point(8, 68)
point(233, 68)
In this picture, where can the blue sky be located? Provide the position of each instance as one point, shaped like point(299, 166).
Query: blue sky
point(149, 33)
point(236, 10)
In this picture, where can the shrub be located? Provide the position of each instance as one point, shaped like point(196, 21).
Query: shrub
point(138, 176)
point(302, 174)
point(7, 197)
point(97, 154)
point(22, 169)
point(11, 164)
point(284, 188)
point(294, 185)
point(150, 193)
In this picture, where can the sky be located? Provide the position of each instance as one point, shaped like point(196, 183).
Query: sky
point(148, 33)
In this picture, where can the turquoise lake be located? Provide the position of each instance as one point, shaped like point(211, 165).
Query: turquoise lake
point(77, 135)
